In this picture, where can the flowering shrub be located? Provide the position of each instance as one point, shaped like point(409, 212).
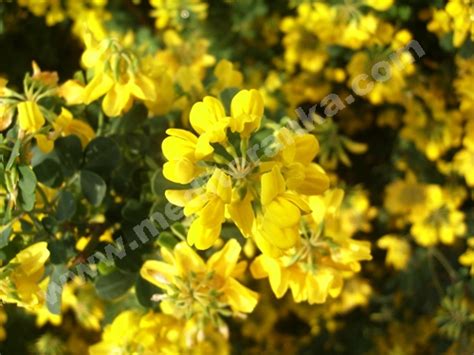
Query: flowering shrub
point(200, 177)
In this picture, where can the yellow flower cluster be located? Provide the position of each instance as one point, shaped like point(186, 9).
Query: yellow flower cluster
point(117, 75)
point(20, 279)
point(200, 292)
point(37, 120)
point(267, 190)
point(381, 157)
point(457, 17)
point(171, 13)
point(87, 15)
point(317, 265)
point(155, 333)
point(230, 183)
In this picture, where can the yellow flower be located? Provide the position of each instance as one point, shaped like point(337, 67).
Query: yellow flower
point(380, 91)
point(185, 62)
point(209, 120)
point(65, 124)
point(183, 150)
point(227, 76)
point(89, 18)
point(29, 116)
point(296, 155)
point(134, 333)
point(301, 43)
point(117, 75)
point(318, 24)
point(78, 297)
point(438, 221)
point(462, 13)
point(398, 250)
point(20, 279)
point(200, 290)
point(118, 94)
point(173, 13)
point(353, 215)
point(315, 267)
point(467, 258)
point(428, 123)
point(260, 197)
point(247, 111)
point(282, 211)
point(210, 209)
point(464, 163)
point(463, 85)
point(164, 100)
point(72, 91)
point(405, 196)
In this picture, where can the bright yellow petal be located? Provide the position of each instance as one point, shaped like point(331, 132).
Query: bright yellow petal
point(116, 100)
point(158, 273)
point(180, 171)
point(97, 87)
point(247, 111)
point(32, 258)
point(44, 144)
point(273, 184)
point(213, 212)
point(282, 213)
point(242, 214)
point(282, 238)
point(220, 184)
point(29, 116)
point(80, 129)
point(174, 148)
point(240, 298)
point(224, 261)
point(142, 87)
point(307, 147)
point(203, 237)
point(187, 260)
point(208, 116)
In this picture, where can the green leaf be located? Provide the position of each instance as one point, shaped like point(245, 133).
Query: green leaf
point(5, 236)
point(55, 288)
point(102, 155)
point(134, 118)
point(167, 240)
point(58, 251)
point(404, 12)
point(28, 180)
point(134, 211)
point(50, 224)
point(446, 42)
point(27, 200)
point(114, 285)
point(14, 154)
point(106, 267)
point(49, 173)
point(144, 291)
point(66, 206)
point(467, 49)
point(93, 187)
point(69, 151)
point(27, 184)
